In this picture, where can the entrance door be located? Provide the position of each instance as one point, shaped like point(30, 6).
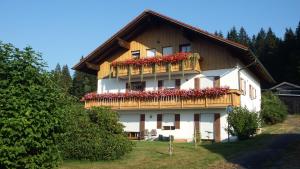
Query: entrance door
point(207, 126)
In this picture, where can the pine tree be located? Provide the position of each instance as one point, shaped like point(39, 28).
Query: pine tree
point(57, 74)
point(243, 37)
point(66, 79)
point(259, 42)
point(232, 35)
point(220, 34)
point(83, 83)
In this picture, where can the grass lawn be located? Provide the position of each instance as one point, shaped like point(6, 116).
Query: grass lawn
point(155, 154)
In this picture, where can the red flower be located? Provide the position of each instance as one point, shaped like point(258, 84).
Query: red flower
point(208, 92)
point(154, 60)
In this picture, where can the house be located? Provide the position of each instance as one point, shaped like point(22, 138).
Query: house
point(165, 77)
point(290, 94)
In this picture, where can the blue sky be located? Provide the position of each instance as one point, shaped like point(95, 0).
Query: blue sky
point(65, 30)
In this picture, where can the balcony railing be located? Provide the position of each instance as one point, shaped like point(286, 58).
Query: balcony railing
point(191, 64)
point(232, 97)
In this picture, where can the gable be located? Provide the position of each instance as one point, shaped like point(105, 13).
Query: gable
point(148, 18)
point(213, 56)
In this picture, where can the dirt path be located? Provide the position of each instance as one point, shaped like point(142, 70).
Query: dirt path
point(270, 156)
point(283, 141)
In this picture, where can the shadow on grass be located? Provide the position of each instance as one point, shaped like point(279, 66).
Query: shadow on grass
point(263, 151)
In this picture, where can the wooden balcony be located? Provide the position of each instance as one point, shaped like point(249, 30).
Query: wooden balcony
point(168, 102)
point(189, 66)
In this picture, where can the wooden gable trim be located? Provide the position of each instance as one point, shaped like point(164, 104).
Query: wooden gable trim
point(124, 44)
point(92, 66)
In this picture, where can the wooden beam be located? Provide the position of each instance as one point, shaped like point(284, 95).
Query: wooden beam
point(92, 66)
point(124, 44)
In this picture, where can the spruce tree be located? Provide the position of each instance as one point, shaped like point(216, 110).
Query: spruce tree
point(66, 80)
point(243, 37)
point(232, 35)
point(83, 83)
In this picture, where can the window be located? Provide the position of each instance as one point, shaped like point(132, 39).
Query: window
point(252, 92)
point(243, 86)
point(160, 84)
point(168, 122)
point(217, 81)
point(167, 51)
point(135, 86)
point(135, 54)
point(151, 53)
point(169, 84)
point(185, 48)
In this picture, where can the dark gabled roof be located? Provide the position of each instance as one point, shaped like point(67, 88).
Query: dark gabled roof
point(99, 53)
point(285, 83)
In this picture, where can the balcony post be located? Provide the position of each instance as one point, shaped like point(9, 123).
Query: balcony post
point(232, 99)
point(205, 101)
point(159, 103)
point(139, 103)
point(181, 102)
point(119, 104)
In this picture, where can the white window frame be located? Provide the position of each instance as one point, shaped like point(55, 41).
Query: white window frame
point(153, 51)
point(169, 48)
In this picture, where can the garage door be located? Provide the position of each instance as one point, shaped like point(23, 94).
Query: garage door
point(131, 122)
point(207, 126)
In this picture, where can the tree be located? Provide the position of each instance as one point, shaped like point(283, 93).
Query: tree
point(31, 111)
point(273, 109)
point(66, 80)
point(242, 123)
point(57, 74)
point(243, 37)
point(220, 34)
point(83, 83)
point(94, 134)
point(232, 35)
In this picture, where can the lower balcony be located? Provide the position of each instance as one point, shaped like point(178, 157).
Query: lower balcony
point(179, 100)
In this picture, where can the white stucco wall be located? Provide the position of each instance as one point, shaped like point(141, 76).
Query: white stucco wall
point(228, 77)
point(130, 119)
point(246, 101)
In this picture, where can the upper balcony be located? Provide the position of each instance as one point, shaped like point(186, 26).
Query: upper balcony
point(179, 63)
point(166, 99)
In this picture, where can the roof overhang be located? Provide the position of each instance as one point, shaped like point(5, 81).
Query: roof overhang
point(147, 18)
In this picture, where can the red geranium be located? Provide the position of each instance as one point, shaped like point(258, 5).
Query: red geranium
point(193, 93)
point(154, 60)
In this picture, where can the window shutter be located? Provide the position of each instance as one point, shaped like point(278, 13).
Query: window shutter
point(160, 84)
point(143, 85)
point(196, 122)
point(127, 87)
point(245, 90)
point(142, 125)
point(217, 81)
point(177, 121)
point(177, 83)
point(197, 83)
point(159, 121)
point(217, 127)
point(250, 91)
point(242, 86)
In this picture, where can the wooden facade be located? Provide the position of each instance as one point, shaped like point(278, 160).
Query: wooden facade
point(212, 55)
point(231, 98)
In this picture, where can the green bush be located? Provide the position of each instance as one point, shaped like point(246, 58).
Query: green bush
point(94, 134)
point(242, 123)
point(30, 111)
point(273, 109)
